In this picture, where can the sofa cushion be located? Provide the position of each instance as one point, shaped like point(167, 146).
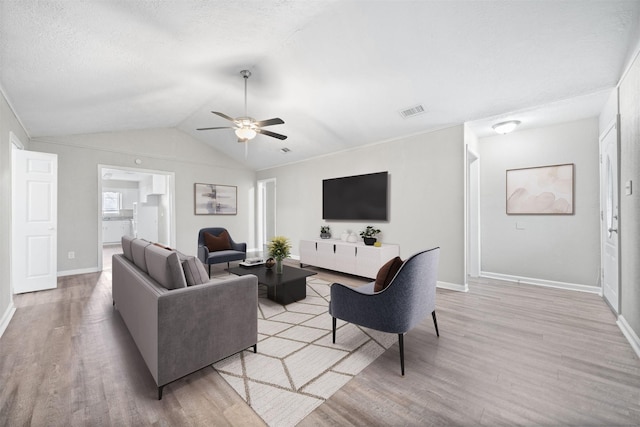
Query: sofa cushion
point(126, 247)
point(137, 253)
point(217, 243)
point(194, 271)
point(386, 273)
point(164, 267)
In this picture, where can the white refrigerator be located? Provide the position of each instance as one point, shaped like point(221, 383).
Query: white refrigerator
point(145, 219)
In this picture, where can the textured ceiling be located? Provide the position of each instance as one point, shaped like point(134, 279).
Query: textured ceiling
point(337, 73)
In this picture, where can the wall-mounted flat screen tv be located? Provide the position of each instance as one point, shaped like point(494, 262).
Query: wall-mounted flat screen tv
point(359, 197)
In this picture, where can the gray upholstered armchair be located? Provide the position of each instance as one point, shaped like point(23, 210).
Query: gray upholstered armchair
point(405, 302)
point(235, 251)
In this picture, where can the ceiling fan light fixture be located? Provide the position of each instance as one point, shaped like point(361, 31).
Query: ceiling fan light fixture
point(505, 127)
point(246, 133)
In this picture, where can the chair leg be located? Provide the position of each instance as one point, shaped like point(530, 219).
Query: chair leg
point(209, 270)
point(334, 329)
point(160, 392)
point(255, 348)
point(401, 343)
point(435, 322)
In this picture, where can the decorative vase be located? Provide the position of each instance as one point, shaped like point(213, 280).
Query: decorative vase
point(325, 235)
point(269, 263)
point(279, 267)
point(369, 241)
point(352, 238)
point(344, 236)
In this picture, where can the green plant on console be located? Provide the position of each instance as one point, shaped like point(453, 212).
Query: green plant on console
point(325, 229)
point(369, 232)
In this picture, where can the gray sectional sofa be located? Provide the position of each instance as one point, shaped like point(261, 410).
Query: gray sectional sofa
point(180, 329)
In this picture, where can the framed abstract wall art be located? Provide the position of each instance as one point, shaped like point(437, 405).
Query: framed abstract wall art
point(214, 199)
point(542, 190)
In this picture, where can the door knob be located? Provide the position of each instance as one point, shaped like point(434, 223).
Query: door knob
point(613, 230)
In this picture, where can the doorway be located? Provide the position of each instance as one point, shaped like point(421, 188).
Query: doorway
point(473, 214)
point(266, 212)
point(136, 202)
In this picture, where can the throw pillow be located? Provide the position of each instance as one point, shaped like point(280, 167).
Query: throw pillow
point(386, 273)
point(217, 243)
point(194, 270)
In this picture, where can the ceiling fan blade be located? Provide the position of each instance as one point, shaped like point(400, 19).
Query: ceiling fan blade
point(270, 122)
point(271, 134)
point(224, 116)
point(225, 127)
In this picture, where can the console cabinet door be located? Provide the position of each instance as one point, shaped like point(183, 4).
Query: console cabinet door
point(325, 255)
point(308, 252)
point(368, 261)
point(345, 258)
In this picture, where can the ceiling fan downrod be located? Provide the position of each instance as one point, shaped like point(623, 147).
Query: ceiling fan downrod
point(245, 74)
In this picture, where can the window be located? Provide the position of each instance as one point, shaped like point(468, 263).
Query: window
point(111, 202)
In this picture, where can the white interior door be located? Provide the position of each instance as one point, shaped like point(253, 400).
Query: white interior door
point(609, 191)
point(35, 208)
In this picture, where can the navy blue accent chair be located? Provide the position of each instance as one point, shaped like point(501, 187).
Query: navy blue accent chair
point(409, 298)
point(238, 251)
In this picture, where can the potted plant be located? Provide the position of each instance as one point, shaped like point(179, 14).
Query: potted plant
point(279, 249)
point(325, 232)
point(369, 235)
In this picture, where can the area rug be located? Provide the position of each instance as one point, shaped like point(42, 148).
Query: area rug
point(297, 366)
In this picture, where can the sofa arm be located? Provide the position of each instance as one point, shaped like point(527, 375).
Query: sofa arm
point(202, 324)
point(203, 253)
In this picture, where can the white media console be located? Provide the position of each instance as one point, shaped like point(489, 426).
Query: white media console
point(353, 258)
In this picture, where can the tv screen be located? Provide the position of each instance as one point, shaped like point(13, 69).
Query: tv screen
point(360, 197)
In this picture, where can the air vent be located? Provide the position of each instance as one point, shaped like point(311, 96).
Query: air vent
point(413, 111)
point(285, 150)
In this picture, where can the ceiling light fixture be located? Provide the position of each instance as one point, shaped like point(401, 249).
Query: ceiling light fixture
point(245, 133)
point(505, 127)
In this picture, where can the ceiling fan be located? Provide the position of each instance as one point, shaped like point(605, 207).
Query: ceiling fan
point(246, 127)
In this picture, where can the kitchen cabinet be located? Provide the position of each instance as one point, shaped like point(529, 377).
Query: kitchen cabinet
point(112, 231)
point(152, 185)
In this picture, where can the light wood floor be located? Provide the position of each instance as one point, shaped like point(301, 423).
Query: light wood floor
point(507, 355)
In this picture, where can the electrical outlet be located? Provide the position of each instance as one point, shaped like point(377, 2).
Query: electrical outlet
point(71, 255)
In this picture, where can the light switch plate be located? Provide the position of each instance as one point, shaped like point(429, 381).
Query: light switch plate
point(519, 225)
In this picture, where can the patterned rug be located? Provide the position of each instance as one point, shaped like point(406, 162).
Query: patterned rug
point(297, 366)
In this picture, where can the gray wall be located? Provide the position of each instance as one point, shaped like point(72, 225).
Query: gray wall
point(426, 195)
point(557, 248)
point(159, 149)
point(8, 123)
point(629, 95)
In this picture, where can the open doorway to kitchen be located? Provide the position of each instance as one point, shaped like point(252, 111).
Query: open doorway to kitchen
point(136, 202)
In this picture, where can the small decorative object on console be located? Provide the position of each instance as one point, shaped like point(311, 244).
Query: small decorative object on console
point(369, 235)
point(269, 263)
point(325, 232)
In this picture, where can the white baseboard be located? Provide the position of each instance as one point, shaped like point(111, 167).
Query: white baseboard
point(453, 286)
point(542, 282)
point(629, 334)
point(6, 317)
point(80, 271)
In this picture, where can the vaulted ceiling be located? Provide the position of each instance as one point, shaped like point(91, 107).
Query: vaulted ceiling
point(337, 72)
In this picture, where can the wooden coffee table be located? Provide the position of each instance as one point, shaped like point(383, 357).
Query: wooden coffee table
point(285, 288)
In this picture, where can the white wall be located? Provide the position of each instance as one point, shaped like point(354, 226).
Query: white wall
point(8, 123)
point(557, 248)
point(426, 195)
point(159, 149)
